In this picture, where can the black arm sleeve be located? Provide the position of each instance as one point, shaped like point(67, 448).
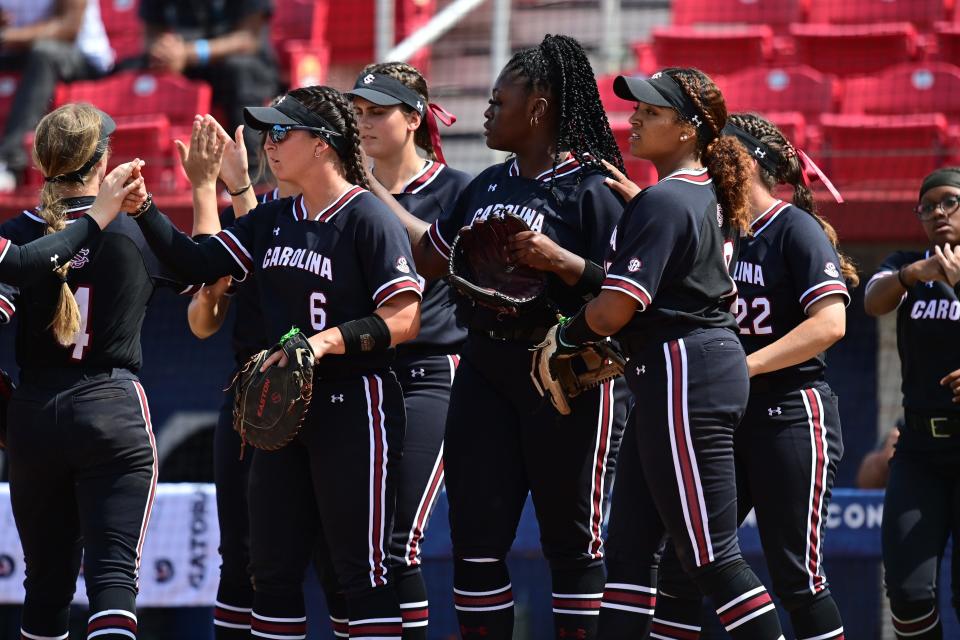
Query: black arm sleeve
point(190, 261)
point(21, 265)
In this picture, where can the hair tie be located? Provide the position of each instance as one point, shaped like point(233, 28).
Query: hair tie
point(810, 169)
point(436, 112)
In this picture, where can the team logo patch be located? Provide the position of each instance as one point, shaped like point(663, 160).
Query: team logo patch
point(402, 265)
point(657, 75)
point(81, 259)
point(367, 79)
point(831, 270)
point(634, 265)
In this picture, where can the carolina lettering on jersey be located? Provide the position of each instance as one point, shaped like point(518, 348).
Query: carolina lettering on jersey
point(112, 280)
point(430, 195)
point(570, 204)
point(313, 270)
point(674, 265)
point(785, 266)
point(927, 333)
point(305, 259)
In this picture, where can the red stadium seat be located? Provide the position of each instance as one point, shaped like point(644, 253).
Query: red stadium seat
point(906, 89)
point(920, 12)
point(123, 26)
point(297, 28)
point(133, 93)
point(611, 103)
point(793, 126)
point(788, 89)
point(854, 49)
point(715, 50)
point(640, 171)
point(882, 151)
point(948, 43)
point(351, 24)
point(779, 14)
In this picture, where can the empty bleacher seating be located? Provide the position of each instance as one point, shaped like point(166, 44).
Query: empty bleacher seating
point(778, 14)
point(716, 50)
point(854, 49)
point(932, 87)
point(923, 13)
point(799, 89)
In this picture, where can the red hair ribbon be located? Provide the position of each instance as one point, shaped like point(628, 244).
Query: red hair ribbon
point(810, 169)
point(436, 112)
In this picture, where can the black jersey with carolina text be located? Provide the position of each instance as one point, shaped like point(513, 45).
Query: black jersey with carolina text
point(785, 266)
point(313, 270)
point(571, 205)
point(928, 337)
point(112, 280)
point(430, 195)
point(670, 253)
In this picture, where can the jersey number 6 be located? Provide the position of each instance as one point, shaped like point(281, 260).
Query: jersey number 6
point(762, 307)
point(318, 315)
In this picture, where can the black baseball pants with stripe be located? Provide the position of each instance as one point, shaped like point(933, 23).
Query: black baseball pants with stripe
point(503, 442)
point(426, 384)
point(333, 488)
point(690, 395)
point(787, 449)
point(921, 508)
point(83, 474)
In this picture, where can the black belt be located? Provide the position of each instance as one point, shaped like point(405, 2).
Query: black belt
point(522, 334)
point(935, 426)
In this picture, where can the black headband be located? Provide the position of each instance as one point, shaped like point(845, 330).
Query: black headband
point(947, 177)
point(107, 127)
point(765, 155)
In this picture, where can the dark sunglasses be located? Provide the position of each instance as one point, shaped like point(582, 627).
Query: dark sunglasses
point(926, 210)
point(278, 133)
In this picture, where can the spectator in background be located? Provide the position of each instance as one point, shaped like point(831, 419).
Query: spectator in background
point(222, 42)
point(875, 467)
point(48, 41)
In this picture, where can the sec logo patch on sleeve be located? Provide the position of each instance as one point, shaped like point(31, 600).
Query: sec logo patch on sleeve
point(402, 265)
point(831, 270)
point(634, 265)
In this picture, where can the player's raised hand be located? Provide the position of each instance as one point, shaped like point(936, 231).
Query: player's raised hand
point(949, 260)
point(235, 166)
point(621, 184)
point(926, 270)
point(201, 161)
point(120, 184)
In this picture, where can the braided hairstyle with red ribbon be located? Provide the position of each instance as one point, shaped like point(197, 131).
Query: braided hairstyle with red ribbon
point(427, 135)
point(796, 169)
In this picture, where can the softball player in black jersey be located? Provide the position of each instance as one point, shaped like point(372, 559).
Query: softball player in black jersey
point(336, 263)
point(921, 501)
point(211, 152)
point(792, 291)
point(666, 297)
point(502, 440)
point(81, 449)
point(396, 117)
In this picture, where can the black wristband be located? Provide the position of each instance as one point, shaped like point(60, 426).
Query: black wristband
point(576, 331)
point(590, 280)
point(900, 278)
point(240, 191)
point(365, 335)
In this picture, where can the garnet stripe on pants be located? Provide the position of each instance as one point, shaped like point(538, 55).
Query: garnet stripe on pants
point(373, 385)
point(148, 508)
point(629, 597)
point(600, 455)
point(818, 486)
point(684, 459)
point(427, 501)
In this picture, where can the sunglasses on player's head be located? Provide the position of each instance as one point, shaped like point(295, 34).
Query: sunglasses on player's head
point(278, 133)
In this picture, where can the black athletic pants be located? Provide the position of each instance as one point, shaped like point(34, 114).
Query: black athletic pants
point(83, 473)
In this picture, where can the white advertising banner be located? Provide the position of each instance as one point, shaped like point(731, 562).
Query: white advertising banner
point(180, 564)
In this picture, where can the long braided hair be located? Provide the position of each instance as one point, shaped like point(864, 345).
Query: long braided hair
point(65, 140)
point(414, 80)
point(559, 67)
point(724, 156)
point(790, 172)
point(332, 106)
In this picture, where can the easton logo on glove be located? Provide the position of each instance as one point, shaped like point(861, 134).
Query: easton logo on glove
point(269, 407)
point(480, 267)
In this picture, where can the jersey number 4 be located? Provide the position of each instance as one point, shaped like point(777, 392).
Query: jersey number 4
point(83, 296)
point(761, 312)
